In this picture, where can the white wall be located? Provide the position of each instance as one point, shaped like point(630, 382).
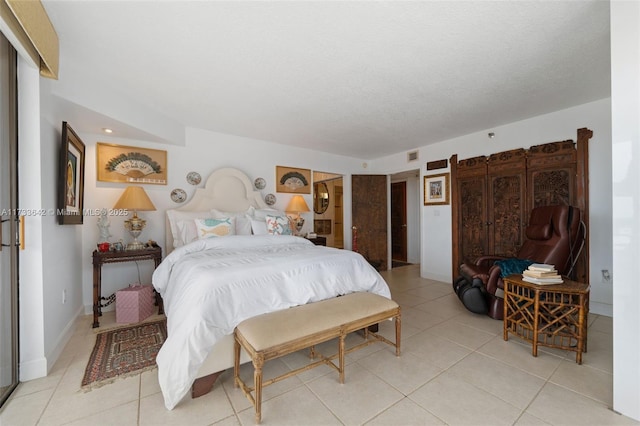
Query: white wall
point(62, 272)
point(561, 125)
point(625, 110)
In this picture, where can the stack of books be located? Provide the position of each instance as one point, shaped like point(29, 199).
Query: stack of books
point(541, 273)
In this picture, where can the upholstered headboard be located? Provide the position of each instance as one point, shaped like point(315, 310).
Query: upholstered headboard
point(227, 189)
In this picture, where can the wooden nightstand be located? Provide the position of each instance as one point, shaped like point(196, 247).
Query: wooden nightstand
point(319, 241)
point(100, 258)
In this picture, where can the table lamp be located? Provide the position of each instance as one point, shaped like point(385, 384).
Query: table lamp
point(296, 206)
point(134, 198)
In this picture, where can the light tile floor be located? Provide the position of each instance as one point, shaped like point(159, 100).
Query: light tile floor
point(455, 369)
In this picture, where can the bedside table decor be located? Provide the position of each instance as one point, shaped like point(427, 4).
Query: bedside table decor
point(136, 199)
point(134, 303)
point(296, 206)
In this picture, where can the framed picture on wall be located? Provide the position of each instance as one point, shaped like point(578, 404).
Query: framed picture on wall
point(436, 189)
point(129, 164)
point(70, 178)
point(293, 180)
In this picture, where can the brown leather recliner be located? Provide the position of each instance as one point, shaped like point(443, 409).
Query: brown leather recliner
point(554, 236)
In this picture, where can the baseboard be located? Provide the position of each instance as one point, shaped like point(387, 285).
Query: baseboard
point(88, 309)
point(599, 308)
point(435, 277)
point(62, 340)
point(33, 369)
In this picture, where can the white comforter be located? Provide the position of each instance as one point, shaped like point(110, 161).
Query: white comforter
point(210, 286)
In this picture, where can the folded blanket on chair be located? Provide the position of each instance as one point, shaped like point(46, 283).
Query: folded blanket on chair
point(512, 266)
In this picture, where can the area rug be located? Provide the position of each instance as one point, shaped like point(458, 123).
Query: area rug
point(124, 352)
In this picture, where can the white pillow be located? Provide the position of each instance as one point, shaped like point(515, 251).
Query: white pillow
point(187, 231)
point(176, 216)
point(259, 227)
point(261, 214)
point(243, 224)
point(209, 228)
point(278, 225)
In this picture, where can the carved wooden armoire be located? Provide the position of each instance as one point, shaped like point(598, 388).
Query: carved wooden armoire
point(493, 196)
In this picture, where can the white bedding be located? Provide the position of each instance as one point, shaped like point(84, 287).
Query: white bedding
point(211, 285)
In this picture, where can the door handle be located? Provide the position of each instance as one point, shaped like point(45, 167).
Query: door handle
point(404, 225)
point(21, 232)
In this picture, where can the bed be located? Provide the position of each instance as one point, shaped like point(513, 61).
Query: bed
point(209, 285)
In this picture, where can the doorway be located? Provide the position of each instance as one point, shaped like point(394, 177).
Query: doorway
point(328, 211)
point(8, 221)
point(399, 222)
point(405, 218)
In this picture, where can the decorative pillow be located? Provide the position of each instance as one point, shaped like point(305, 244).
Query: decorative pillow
point(209, 228)
point(243, 224)
point(278, 225)
point(259, 227)
point(176, 216)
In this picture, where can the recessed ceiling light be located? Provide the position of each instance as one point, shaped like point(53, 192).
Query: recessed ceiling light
point(107, 130)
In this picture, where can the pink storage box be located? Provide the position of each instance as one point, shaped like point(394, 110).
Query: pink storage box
point(135, 303)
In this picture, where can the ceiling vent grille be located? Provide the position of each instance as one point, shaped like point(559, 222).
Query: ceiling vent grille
point(412, 156)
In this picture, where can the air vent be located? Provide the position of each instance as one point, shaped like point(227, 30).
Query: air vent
point(412, 156)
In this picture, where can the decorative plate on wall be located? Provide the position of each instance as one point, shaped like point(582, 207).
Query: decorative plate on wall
point(270, 199)
point(178, 195)
point(194, 178)
point(260, 183)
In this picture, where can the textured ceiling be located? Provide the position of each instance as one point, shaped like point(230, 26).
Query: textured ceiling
point(362, 79)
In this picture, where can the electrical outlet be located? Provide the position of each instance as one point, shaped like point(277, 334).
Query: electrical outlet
point(606, 276)
point(64, 296)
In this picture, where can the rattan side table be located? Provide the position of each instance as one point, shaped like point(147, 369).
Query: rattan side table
point(553, 315)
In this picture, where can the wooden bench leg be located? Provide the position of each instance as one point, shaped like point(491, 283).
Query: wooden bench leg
point(398, 332)
point(258, 362)
point(236, 363)
point(341, 357)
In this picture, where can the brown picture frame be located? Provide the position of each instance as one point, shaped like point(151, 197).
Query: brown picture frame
point(322, 226)
point(130, 164)
point(436, 189)
point(293, 180)
point(71, 178)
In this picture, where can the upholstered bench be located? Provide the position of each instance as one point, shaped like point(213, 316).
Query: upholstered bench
point(279, 333)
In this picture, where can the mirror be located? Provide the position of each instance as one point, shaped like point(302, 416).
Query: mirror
point(320, 197)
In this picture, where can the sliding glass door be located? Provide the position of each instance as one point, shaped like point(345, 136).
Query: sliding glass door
point(8, 218)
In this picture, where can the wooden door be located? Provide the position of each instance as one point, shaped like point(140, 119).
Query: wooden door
point(557, 173)
point(369, 217)
point(506, 202)
point(470, 193)
point(399, 221)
